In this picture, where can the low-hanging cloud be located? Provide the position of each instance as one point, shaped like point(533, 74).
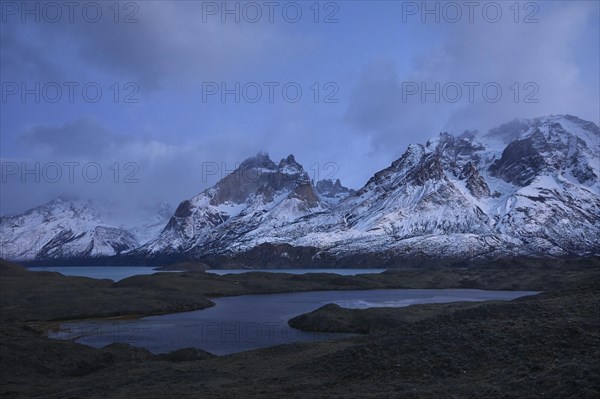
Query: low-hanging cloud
point(171, 134)
point(85, 159)
point(82, 138)
point(535, 65)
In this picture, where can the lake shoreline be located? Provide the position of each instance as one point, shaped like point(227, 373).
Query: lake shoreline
point(170, 292)
point(543, 345)
point(241, 323)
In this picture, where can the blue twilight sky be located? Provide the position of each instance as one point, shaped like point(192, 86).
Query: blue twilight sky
point(368, 61)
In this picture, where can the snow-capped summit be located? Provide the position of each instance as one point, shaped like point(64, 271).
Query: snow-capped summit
point(259, 194)
point(528, 187)
point(518, 128)
point(556, 145)
point(62, 228)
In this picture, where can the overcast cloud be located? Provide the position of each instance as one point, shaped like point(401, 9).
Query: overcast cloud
point(154, 137)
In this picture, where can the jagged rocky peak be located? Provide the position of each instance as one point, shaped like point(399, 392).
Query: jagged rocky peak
point(417, 165)
point(432, 201)
point(258, 175)
point(290, 166)
point(443, 142)
point(413, 154)
point(332, 188)
point(444, 153)
point(429, 168)
point(260, 160)
point(452, 148)
point(258, 192)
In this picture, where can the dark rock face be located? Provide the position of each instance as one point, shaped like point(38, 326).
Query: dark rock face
point(258, 174)
point(455, 148)
point(305, 193)
point(430, 168)
point(583, 173)
point(184, 209)
point(580, 170)
point(520, 163)
point(475, 183)
point(549, 148)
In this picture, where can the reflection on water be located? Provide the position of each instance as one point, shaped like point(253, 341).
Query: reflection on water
point(248, 322)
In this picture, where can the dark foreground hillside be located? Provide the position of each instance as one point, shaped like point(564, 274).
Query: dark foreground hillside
point(543, 346)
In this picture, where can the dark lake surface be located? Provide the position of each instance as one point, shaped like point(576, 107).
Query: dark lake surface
point(248, 322)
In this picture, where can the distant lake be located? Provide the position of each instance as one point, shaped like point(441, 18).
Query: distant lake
point(117, 273)
point(248, 322)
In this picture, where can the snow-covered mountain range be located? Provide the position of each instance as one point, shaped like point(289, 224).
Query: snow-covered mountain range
point(73, 228)
point(529, 187)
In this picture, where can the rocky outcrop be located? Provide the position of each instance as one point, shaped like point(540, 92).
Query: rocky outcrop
point(475, 183)
point(332, 189)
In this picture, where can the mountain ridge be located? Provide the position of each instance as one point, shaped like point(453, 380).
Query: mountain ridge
point(527, 188)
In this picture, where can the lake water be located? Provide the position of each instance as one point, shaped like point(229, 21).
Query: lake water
point(248, 322)
point(117, 273)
